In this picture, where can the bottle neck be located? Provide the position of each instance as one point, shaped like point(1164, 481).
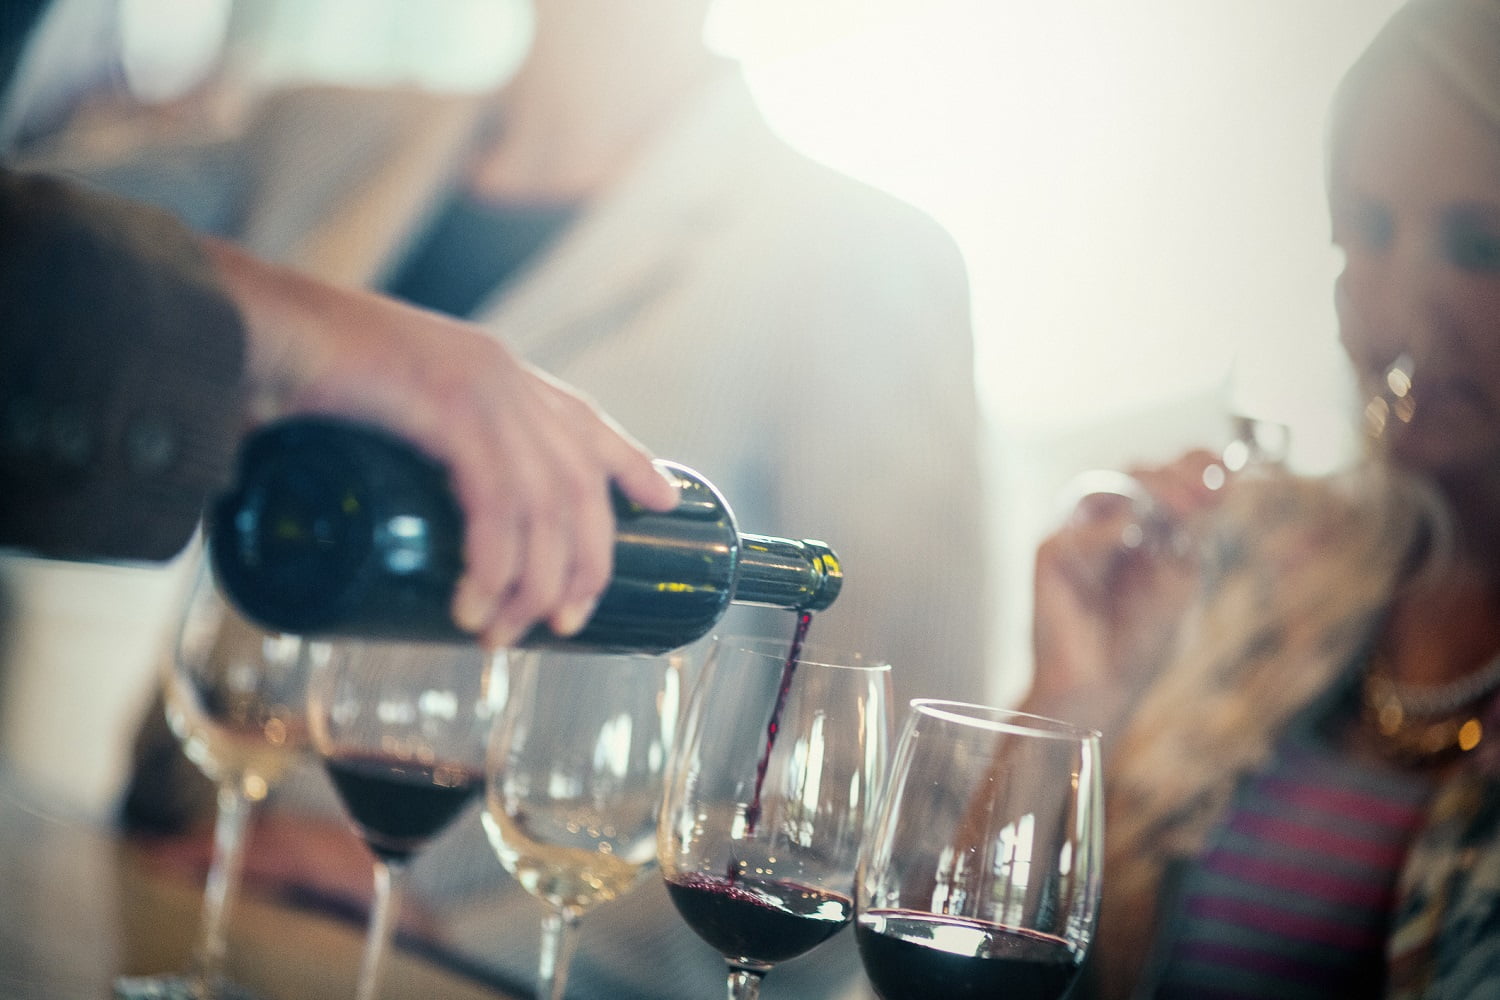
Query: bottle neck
point(786, 573)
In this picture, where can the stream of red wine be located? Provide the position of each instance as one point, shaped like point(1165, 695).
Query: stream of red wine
point(788, 672)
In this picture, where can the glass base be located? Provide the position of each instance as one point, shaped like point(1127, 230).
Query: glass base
point(178, 988)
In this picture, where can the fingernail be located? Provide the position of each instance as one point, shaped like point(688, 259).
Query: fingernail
point(571, 620)
point(498, 638)
point(470, 609)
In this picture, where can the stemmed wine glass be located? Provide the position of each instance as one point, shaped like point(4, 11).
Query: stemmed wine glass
point(574, 782)
point(1254, 444)
point(235, 699)
point(766, 800)
point(981, 874)
point(401, 729)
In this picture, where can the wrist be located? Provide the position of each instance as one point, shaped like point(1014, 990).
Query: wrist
point(279, 310)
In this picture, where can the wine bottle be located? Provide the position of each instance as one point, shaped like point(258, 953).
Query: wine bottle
point(339, 529)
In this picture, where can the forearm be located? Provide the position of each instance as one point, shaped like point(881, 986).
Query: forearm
point(287, 315)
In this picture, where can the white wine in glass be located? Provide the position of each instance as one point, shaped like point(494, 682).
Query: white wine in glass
point(235, 698)
point(575, 775)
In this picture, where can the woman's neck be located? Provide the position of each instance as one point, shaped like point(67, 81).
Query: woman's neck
point(1473, 498)
point(1443, 626)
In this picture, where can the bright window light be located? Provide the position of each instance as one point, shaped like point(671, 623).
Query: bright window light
point(1137, 187)
point(167, 46)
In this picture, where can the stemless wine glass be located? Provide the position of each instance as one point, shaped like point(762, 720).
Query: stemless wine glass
point(980, 877)
point(401, 729)
point(766, 799)
point(235, 698)
point(575, 775)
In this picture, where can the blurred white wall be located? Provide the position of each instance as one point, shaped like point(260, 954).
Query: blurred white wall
point(1138, 191)
point(80, 645)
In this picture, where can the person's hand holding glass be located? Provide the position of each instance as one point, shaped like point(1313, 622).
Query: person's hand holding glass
point(981, 874)
point(1113, 578)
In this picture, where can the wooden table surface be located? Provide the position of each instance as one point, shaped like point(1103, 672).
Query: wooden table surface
point(79, 907)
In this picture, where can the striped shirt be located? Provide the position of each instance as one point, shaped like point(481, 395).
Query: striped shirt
point(1292, 901)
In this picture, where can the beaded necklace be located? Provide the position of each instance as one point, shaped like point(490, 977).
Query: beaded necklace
point(1421, 723)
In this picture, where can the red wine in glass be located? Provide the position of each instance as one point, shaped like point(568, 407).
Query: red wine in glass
point(760, 828)
point(773, 920)
point(400, 805)
point(400, 729)
point(979, 876)
point(910, 955)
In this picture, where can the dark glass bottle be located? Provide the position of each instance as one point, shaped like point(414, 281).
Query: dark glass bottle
point(336, 528)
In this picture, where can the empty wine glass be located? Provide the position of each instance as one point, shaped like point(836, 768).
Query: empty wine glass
point(766, 801)
point(981, 874)
point(575, 777)
point(235, 698)
point(401, 730)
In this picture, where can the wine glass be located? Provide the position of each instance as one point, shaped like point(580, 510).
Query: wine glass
point(574, 783)
point(1254, 446)
point(1256, 440)
point(400, 729)
point(235, 698)
point(980, 877)
point(766, 799)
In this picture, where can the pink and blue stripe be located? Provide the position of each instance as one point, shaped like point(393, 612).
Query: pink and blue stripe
point(1292, 900)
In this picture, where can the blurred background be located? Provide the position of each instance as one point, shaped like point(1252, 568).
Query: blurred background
point(1136, 188)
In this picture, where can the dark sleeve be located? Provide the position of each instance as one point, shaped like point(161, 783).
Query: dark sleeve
point(121, 395)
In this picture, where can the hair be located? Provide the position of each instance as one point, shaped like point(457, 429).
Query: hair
point(1298, 581)
point(1457, 40)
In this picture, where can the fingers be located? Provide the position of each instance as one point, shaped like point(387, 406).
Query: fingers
point(648, 484)
point(530, 461)
point(593, 539)
point(538, 587)
point(1086, 553)
point(626, 463)
point(566, 525)
point(516, 551)
point(1192, 483)
point(567, 521)
point(1121, 519)
point(561, 520)
point(494, 554)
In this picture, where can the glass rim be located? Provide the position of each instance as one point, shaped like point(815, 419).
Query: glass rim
point(1001, 720)
point(777, 649)
point(505, 654)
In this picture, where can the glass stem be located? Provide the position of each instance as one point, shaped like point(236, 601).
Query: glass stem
point(559, 941)
point(744, 984)
point(223, 882)
point(390, 881)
